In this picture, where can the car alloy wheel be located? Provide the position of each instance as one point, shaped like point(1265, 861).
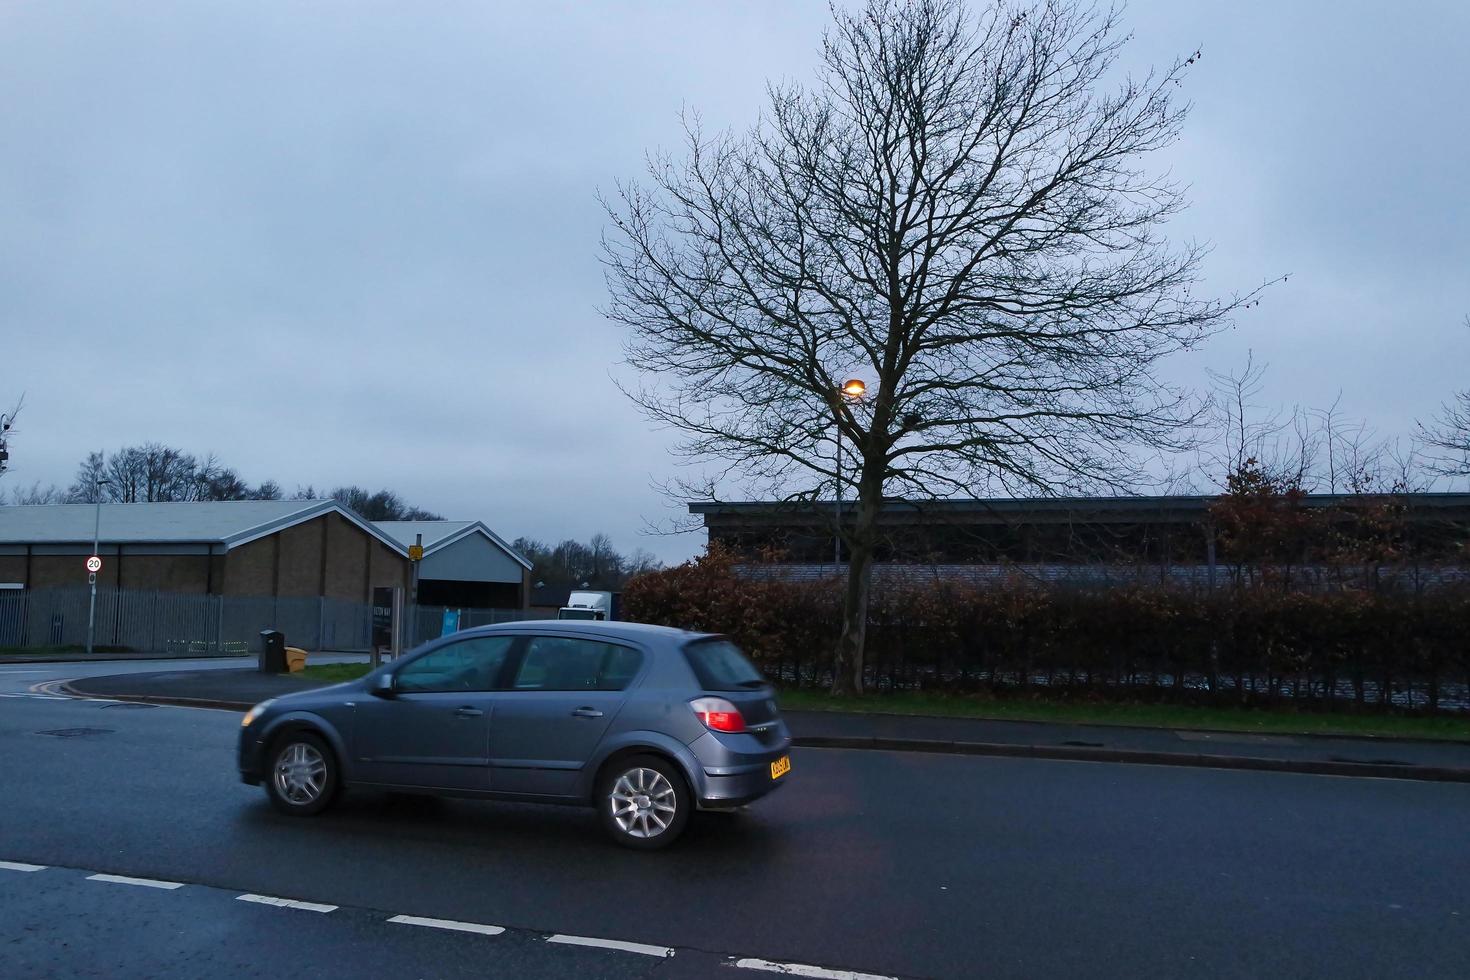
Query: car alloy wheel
point(300, 774)
point(303, 778)
point(644, 803)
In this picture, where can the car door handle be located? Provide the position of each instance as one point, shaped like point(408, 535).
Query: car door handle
point(468, 712)
point(587, 713)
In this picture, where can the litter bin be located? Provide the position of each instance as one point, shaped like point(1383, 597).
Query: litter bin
point(272, 652)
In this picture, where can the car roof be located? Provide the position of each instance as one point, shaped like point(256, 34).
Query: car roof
point(645, 632)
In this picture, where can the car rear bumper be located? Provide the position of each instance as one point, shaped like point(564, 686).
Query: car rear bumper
point(732, 775)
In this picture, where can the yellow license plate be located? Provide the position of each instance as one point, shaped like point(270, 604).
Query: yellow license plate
point(781, 767)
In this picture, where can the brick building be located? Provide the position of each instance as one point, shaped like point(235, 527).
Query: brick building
point(266, 548)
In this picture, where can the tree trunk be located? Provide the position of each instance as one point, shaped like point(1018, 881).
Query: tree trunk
point(847, 677)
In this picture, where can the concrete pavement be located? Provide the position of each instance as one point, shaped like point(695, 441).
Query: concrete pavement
point(887, 863)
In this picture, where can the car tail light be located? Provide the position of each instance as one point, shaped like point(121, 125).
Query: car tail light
point(718, 715)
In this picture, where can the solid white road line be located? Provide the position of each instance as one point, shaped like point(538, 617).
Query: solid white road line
point(18, 866)
point(285, 903)
point(801, 970)
point(143, 882)
point(662, 951)
point(450, 924)
point(36, 697)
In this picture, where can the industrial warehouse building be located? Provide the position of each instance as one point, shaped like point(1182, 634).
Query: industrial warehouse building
point(293, 548)
point(1173, 539)
point(465, 564)
point(209, 576)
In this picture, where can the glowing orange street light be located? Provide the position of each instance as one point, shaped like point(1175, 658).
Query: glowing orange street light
point(854, 388)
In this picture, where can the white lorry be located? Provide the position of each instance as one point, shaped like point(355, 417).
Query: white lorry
point(591, 605)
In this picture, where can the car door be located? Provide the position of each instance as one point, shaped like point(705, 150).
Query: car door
point(434, 731)
point(547, 724)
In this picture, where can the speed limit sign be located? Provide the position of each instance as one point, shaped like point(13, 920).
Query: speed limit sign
point(94, 564)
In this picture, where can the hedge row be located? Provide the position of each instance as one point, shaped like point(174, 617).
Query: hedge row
point(1326, 649)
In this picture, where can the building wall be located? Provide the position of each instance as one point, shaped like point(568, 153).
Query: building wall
point(162, 573)
point(251, 569)
point(327, 556)
point(473, 558)
point(346, 573)
point(13, 567)
point(385, 568)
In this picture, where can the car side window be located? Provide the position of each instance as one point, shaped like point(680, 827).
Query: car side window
point(554, 663)
point(474, 664)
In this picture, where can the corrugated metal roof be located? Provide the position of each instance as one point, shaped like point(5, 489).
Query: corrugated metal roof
point(439, 534)
point(227, 522)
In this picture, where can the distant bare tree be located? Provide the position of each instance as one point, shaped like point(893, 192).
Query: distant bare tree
point(37, 494)
point(1449, 435)
point(382, 505)
point(85, 488)
point(956, 213)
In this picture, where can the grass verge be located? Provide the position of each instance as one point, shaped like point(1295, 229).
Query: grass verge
point(334, 673)
point(1279, 721)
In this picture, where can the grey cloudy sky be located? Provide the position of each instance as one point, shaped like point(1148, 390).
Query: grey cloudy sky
point(357, 242)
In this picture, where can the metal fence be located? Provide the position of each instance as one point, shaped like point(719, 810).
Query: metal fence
point(208, 624)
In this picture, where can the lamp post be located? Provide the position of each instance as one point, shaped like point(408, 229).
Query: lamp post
point(92, 576)
point(853, 390)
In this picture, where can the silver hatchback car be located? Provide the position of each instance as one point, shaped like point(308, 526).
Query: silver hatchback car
point(645, 723)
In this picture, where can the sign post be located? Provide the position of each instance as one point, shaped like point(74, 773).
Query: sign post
point(94, 565)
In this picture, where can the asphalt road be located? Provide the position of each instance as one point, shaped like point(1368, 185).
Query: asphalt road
point(886, 863)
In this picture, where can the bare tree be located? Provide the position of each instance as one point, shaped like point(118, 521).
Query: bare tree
point(1449, 435)
point(37, 494)
point(86, 488)
point(956, 213)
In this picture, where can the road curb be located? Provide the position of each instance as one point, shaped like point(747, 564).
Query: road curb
point(1067, 753)
point(67, 687)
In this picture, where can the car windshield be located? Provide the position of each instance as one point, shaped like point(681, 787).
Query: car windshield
point(720, 666)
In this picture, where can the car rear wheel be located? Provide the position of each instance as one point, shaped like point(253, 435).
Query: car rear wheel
point(644, 803)
point(302, 779)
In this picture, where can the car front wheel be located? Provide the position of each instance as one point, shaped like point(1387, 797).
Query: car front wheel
point(644, 803)
point(302, 779)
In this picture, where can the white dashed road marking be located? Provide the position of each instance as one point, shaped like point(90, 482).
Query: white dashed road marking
point(801, 970)
point(286, 903)
point(17, 866)
point(450, 924)
point(646, 950)
point(143, 882)
point(480, 928)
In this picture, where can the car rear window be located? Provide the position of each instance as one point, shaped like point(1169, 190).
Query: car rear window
point(720, 666)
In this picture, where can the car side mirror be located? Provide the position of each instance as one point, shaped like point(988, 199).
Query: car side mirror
point(384, 685)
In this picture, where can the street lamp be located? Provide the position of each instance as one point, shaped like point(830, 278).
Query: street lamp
point(92, 576)
point(853, 390)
